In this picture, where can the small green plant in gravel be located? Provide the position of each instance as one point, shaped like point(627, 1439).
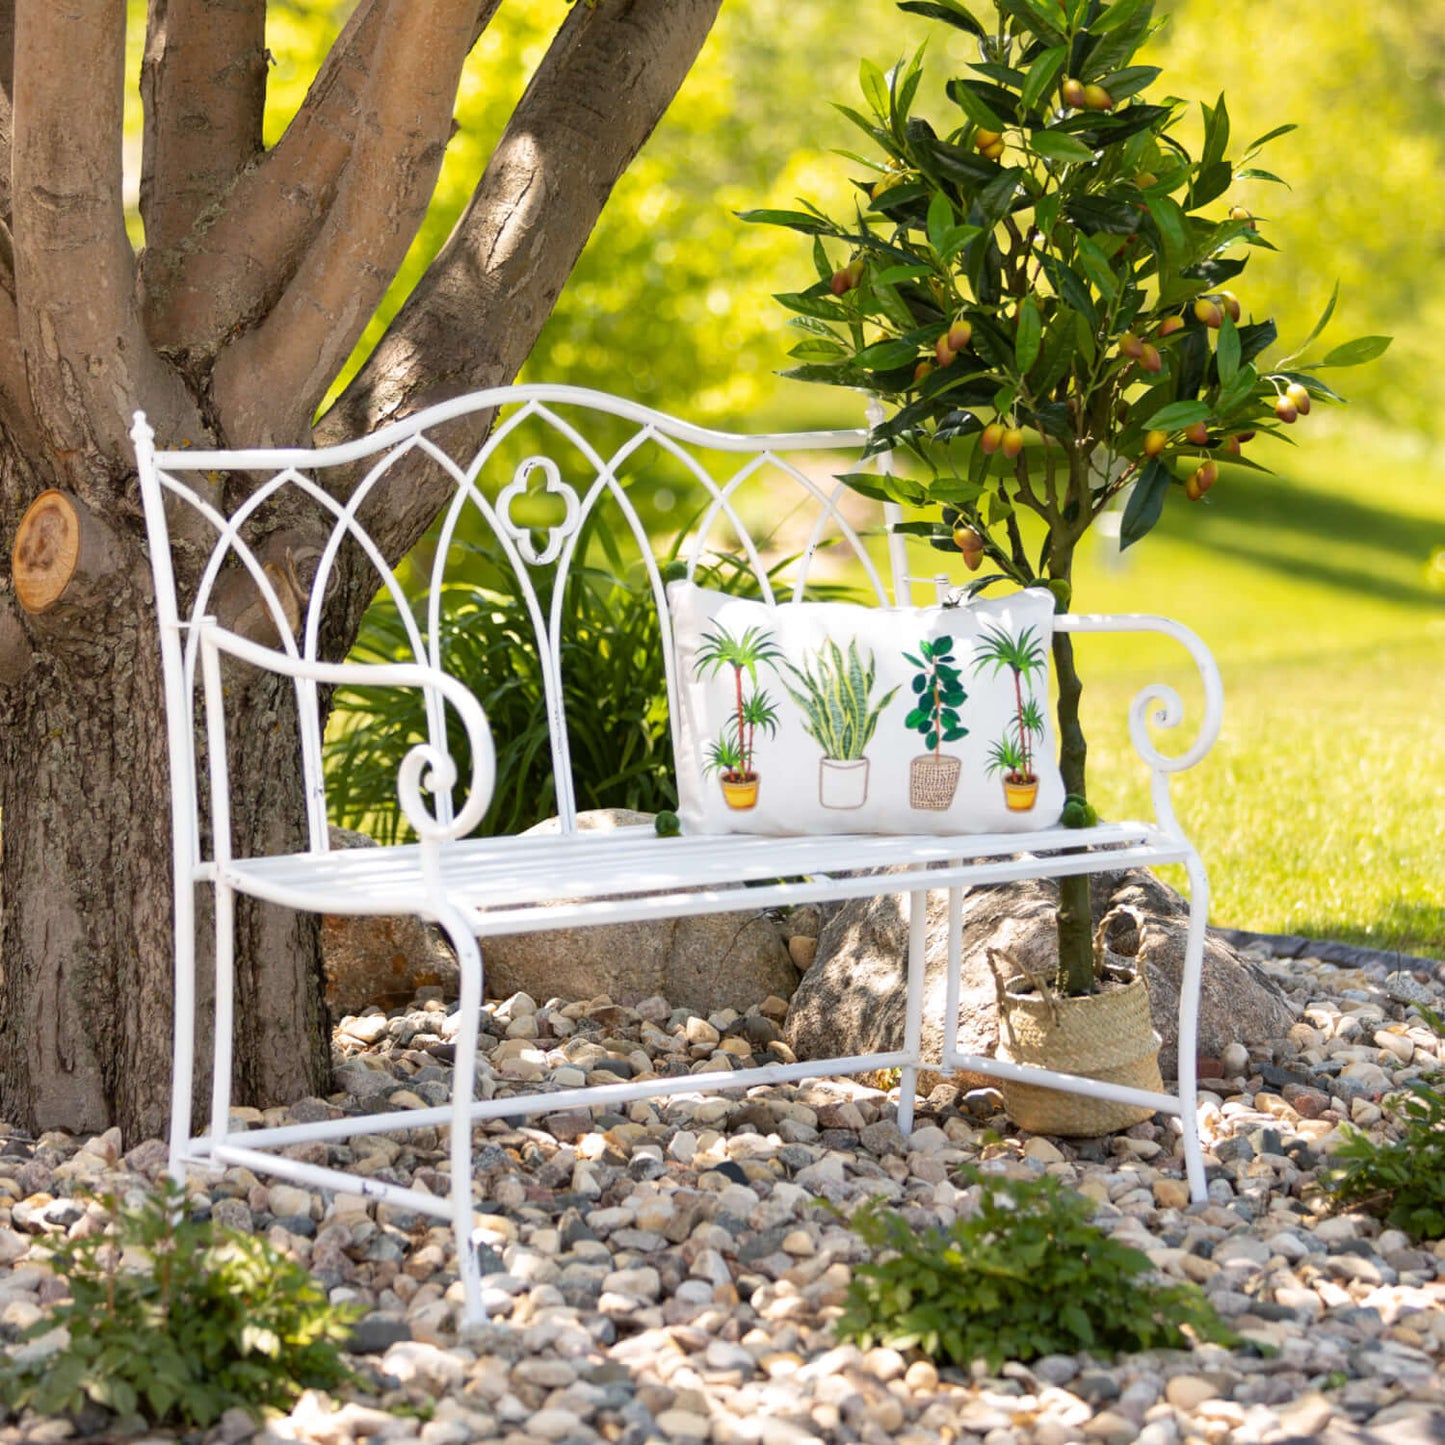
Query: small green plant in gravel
point(1402, 1181)
point(176, 1320)
point(1025, 1273)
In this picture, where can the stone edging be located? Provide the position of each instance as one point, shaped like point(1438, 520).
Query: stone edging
point(1347, 955)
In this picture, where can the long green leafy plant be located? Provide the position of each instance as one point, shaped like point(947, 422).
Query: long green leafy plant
point(1038, 282)
point(835, 694)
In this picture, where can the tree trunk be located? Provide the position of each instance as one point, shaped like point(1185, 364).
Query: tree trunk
point(85, 1036)
point(1076, 924)
point(233, 337)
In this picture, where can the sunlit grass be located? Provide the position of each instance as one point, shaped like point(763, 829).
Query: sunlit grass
point(1321, 811)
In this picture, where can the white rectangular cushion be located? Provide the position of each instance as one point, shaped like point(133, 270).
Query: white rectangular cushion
point(922, 703)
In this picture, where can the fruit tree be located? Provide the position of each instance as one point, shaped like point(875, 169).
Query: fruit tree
point(1040, 284)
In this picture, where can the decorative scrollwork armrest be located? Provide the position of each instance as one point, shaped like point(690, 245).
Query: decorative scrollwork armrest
point(1157, 702)
point(424, 765)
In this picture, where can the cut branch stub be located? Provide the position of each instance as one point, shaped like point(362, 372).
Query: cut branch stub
point(62, 551)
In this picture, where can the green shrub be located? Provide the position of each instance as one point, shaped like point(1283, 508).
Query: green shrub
point(213, 1319)
point(1404, 1181)
point(613, 683)
point(1026, 1274)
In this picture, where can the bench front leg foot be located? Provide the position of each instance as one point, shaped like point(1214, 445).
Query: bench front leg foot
point(1188, 1067)
point(913, 1008)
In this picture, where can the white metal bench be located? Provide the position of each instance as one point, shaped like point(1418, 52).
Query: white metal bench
point(473, 887)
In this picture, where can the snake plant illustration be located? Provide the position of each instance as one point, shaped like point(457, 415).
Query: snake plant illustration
point(938, 692)
point(1012, 755)
point(835, 693)
point(730, 755)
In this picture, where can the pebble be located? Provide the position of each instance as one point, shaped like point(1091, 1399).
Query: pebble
point(665, 1272)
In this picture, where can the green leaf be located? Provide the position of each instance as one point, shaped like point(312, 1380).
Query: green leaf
point(1170, 220)
point(892, 275)
point(1236, 391)
point(1041, 21)
point(1057, 146)
point(966, 95)
point(1210, 183)
point(1121, 84)
point(1106, 215)
point(816, 348)
point(1226, 350)
point(1270, 135)
point(1253, 173)
point(826, 308)
point(1096, 265)
point(1216, 133)
point(1146, 502)
point(1030, 333)
point(874, 85)
point(793, 220)
point(1116, 47)
point(1176, 415)
point(1073, 292)
point(885, 355)
point(950, 14)
point(1042, 76)
point(955, 490)
point(1357, 352)
point(828, 375)
point(940, 220)
point(1117, 14)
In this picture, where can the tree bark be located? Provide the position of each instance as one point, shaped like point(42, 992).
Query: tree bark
point(203, 83)
point(86, 924)
point(1076, 923)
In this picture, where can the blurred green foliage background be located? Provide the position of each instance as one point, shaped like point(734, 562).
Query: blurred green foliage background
point(670, 303)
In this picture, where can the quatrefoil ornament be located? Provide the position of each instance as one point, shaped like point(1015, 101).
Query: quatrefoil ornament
point(522, 535)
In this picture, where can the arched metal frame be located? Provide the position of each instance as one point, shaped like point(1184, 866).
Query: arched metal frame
point(476, 887)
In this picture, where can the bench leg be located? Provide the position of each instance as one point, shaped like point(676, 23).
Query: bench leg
point(183, 1037)
point(464, 1074)
point(913, 1009)
point(1189, 986)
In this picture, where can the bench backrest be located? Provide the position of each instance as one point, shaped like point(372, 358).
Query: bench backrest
point(772, 504)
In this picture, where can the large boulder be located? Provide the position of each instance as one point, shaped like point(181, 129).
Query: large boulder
point(710, 962)
point(851, 1001)
point(379, 960)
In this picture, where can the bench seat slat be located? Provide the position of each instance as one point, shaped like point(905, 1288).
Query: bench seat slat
point(502, 882)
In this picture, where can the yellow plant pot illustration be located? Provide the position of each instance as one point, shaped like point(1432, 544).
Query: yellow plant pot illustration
point(1020, 796)
point(741, 793)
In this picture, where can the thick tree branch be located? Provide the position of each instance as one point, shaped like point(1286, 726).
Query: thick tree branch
point(7, 87)
point(203, 83)
point(267, 383)
point(17, 416)
point(236, 264)
point(87, 360)
point(608, 77)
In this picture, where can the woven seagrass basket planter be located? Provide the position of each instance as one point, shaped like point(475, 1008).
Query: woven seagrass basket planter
point(1107, 1036)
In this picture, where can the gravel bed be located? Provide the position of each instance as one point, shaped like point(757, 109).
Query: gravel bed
point(665, 1273)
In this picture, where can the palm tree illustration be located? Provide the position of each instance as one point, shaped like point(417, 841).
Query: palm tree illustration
point(743, 654)
point(1023, 656)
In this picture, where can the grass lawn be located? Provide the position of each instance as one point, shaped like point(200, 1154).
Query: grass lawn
point(1321, 810)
